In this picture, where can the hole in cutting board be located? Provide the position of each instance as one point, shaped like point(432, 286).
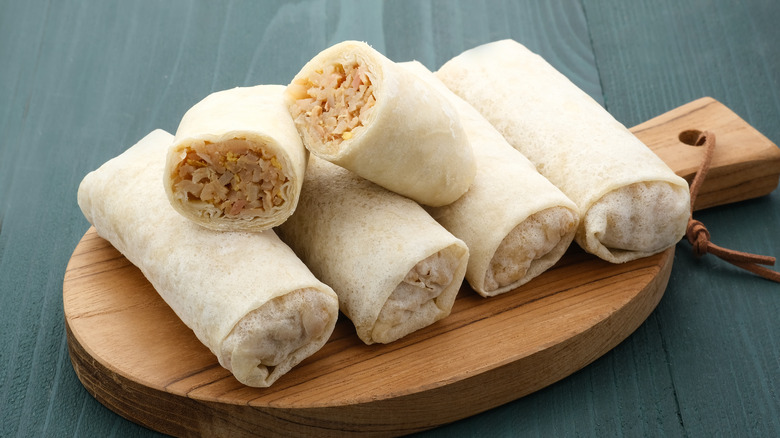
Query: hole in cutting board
point(689, 137)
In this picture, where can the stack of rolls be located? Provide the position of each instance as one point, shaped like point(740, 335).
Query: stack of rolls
point(359, 110)
point(388, 185)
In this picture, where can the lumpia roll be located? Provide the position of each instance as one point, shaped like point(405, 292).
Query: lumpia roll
point(237, 162)
point(246, 296)
point(394, 269)
point(358, 109)
point(631, 204)
point(515, 222)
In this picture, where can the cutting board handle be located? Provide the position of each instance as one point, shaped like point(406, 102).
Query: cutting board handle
point(746, 164)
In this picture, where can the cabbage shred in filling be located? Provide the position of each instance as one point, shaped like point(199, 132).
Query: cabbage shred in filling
point(333, 103)
point(237, 179)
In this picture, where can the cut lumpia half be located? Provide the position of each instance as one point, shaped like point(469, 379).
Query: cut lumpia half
point(235, 178)
point(531, 248)
point(237, 161)
point(425, 295)
point(356, 108)
point(333, 104)
point(270, 340)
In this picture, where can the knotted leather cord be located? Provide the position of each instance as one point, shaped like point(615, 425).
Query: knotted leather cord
point(698, 235)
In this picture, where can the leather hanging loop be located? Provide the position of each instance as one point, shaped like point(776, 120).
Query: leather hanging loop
point(698, 235)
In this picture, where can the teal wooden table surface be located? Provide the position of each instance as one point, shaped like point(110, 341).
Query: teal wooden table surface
point(81, 81)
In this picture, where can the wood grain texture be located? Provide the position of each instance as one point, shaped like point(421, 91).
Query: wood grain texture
point(440, 30)
point(719, 326)
point(133, 354)
point(745, 164)
point(655, 56)
point(82, 79)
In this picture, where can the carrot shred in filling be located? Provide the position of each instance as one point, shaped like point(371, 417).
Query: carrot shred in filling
point(240, 181)
point(333, 102)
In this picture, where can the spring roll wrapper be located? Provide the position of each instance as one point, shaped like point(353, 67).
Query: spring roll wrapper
point(631, 204)
point(246, 296)
point(369, 244)
point(509, 203)
point(412, 142)
point(258, 115)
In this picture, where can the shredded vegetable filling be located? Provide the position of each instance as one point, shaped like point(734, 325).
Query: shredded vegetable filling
point(333, 103)
point(236, 177)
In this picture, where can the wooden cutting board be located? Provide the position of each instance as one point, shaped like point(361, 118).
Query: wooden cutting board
point(133, 354)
